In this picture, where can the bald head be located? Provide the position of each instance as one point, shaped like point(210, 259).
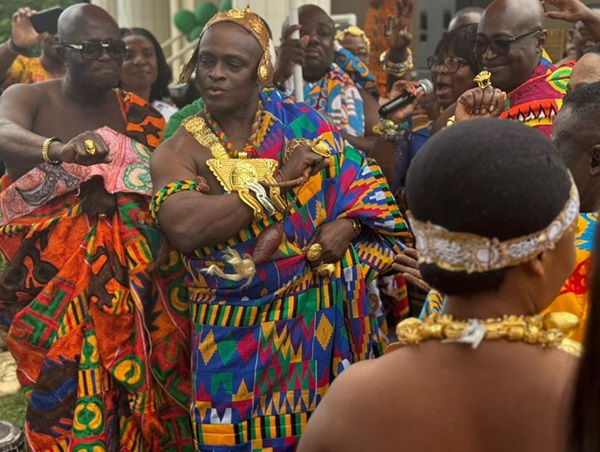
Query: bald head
point(312, 10)
point(520, 22)
point(316, 24)
point(464, 17)
point(80, 18)
point(518, 14)
point(586, 71)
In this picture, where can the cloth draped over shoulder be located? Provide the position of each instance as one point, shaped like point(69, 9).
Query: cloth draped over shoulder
point(337, 98)
point(574, 294)
point(537, 101)
point(264, 354)
point(101, 342)
point(358, 71)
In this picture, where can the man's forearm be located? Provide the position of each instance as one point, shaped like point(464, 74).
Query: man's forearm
point(192, 220)
point(20, 149)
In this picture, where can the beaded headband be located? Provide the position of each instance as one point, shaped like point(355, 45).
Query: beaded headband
point(471, 253)
point(353, 30)
point(254, 25)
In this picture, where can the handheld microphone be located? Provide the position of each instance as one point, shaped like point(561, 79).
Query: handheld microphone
point(425, 86)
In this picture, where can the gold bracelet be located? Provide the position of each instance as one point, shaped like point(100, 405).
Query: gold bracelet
point(46, 148)
point(356, 226)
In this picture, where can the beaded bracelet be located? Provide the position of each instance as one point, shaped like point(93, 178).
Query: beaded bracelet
point(200, 185)
point(389, 130)
point(397, 70)
point(15, 48)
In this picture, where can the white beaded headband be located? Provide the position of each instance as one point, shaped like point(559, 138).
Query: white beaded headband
point(471, 253)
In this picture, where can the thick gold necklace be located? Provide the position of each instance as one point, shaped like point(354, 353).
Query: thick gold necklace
point(549, 331)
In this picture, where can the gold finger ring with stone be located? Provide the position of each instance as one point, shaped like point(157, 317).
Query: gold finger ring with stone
point(314, 252)
point(325, 270)
point(90, 147)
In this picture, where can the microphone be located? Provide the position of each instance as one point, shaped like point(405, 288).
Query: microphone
point(425, 86)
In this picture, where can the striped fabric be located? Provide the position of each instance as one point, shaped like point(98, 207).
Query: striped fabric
point(264, 355)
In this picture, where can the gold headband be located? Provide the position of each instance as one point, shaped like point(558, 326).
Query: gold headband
point(471, 253)
point(353, 30)
point(253, 24)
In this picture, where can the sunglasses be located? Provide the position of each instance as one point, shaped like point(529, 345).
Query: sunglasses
point(500, 46)
point(92, 50)
point(449, 65)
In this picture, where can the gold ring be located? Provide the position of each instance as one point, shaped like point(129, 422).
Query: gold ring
point(483, 79)
point(314, 252)
point(325, 270)
point(90, 147)
point(319, 146)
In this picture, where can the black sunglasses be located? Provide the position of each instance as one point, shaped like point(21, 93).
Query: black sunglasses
point(450, 65)
point(92, 50)
point(500, 46)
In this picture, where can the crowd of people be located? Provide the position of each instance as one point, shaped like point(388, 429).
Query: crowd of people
point(248, 272)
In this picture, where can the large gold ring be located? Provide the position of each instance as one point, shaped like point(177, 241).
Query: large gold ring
point(314, 252)
point(325, 270)
point(319, 146)
point(483, 79)
point(90, 147)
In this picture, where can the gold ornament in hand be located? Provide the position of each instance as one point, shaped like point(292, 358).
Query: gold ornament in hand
point(314, 252)
point(325, 270)
point(319, 146)
point(483, 79)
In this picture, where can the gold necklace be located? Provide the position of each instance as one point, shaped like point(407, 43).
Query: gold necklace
point(549, 331)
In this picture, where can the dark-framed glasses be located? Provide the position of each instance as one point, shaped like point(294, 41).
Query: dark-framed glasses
point(450, 65)
point(500, 46)
point(92, 50)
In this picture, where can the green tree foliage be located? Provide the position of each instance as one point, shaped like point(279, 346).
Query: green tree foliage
point(8, 7)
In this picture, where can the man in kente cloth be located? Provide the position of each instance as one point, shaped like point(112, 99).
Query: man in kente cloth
point(280, 226)
point(97, 345)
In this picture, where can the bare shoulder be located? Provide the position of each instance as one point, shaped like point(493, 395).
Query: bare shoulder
point(177, 158)
point(23, 93)
point(340, 422)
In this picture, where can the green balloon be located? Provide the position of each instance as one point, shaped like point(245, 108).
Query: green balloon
point(225, 5)
point(185, 21)
point(204, 12)
point(195, 33)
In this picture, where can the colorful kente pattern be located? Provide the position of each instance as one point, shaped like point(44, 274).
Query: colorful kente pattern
point(264, 355)
point(358, 71)
point(573, 296)
point(101, 341)
point(537, 101)
point(338, 99)
point(26, 70)
point(375, 30)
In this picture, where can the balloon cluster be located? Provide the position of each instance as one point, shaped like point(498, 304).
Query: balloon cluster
point(191, 23)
